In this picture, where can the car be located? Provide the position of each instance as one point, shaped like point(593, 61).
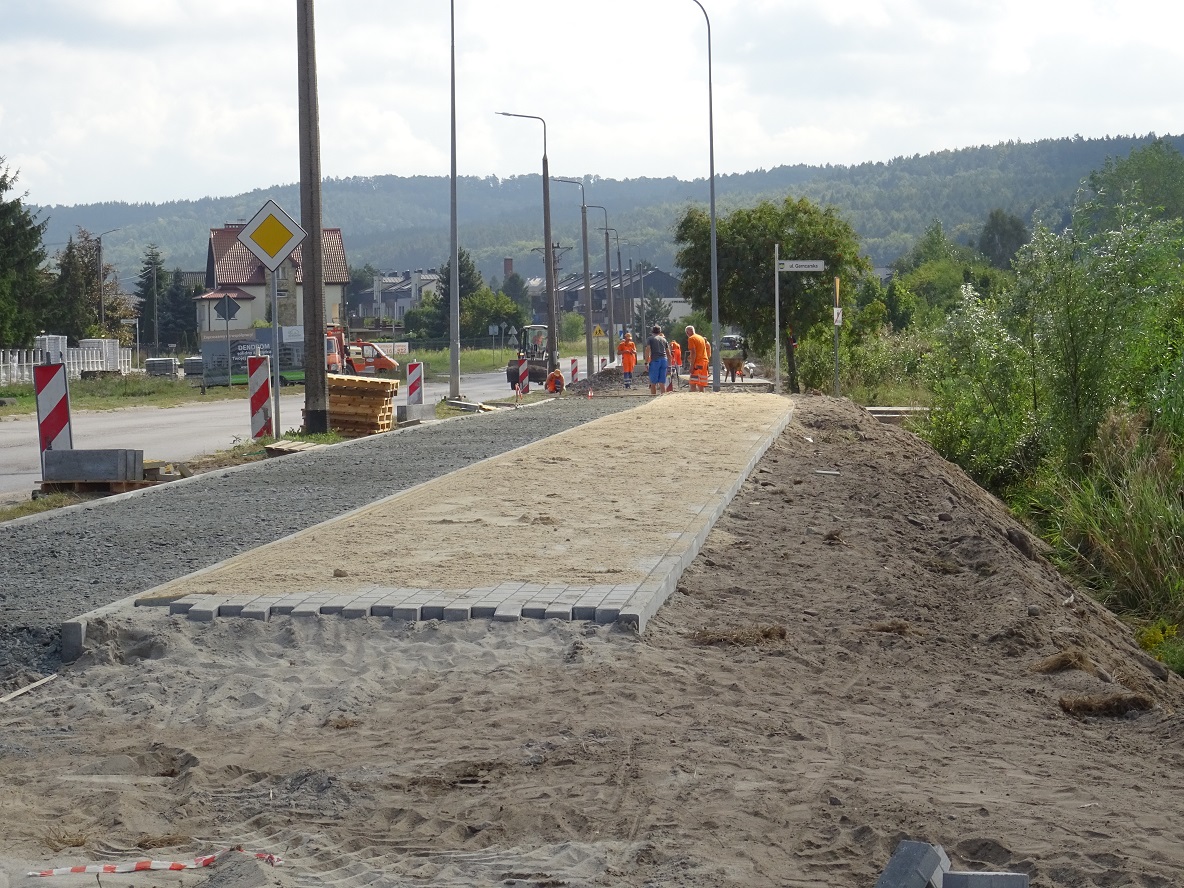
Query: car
point(731, 342)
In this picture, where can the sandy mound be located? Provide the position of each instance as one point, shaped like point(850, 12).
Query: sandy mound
point(867, 649)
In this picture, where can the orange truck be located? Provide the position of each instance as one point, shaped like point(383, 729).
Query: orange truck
point(359, 358)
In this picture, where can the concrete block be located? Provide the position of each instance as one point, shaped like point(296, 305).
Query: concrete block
point(306, 608)
point(508, 612)
point(94, 465)
point(204, 613)
point(261, 612)
point(915, 865)
point(535, 610)
point(457, 611)
point(985, 880)
point(483, 610)
point(558, 612)
point(356, 610)
point(73, 639)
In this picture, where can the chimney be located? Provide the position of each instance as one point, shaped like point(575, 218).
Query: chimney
point(507, 267)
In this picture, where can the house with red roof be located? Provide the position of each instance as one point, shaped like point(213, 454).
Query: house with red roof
point(238, 285)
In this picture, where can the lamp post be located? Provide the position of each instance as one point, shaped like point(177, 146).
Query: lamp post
point(587, 277)
point(102, 277)
point(548, 260)
point(454, 247)
point(620, 278)
point(608, 285)
point(715, 363)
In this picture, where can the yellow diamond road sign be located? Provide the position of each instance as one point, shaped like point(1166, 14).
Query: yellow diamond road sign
point(271, 235)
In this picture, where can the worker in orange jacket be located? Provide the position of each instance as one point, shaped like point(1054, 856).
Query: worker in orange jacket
point(699, 358)
point(554, 383)
point(675, 364)
point(628, 354)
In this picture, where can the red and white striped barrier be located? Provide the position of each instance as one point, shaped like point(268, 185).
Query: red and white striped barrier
point(259, 379)
point(603, 363)
point(523, 377)
point(53, 407)
point(415, 382)
point(575, 369)
point(136, 866)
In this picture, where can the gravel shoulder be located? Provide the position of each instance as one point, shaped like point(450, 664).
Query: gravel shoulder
point(60, 564)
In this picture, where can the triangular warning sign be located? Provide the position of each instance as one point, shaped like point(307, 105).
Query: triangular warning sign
point(596, 331)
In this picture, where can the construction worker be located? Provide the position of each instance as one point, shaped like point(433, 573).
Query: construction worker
point(675, 364)
point(699, 359)
point(627, 350)
point(554, 383)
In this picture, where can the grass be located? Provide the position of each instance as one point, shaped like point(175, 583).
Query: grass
point(120, 392)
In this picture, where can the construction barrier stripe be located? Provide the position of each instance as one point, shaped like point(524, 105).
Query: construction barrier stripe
point(575, 369)
point(415, 382)
point(53, 407)
point(259, 376)
point(523, 377)
point(136, 866)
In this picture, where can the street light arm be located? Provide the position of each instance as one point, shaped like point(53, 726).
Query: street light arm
point(715, 356)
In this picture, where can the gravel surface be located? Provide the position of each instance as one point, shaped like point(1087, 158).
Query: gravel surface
point(58, 565)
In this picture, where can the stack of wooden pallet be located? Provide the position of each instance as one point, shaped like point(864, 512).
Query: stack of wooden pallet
point(361, 405)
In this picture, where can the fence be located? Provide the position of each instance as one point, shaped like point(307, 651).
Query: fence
point(16, 365)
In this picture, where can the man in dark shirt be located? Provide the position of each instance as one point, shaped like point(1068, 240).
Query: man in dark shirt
point(657, 350)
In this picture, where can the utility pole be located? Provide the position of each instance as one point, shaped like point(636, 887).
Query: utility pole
point(316, 383)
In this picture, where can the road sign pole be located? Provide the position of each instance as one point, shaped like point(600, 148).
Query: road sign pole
point(275, 354)
point(776, 319)
point(838, 323)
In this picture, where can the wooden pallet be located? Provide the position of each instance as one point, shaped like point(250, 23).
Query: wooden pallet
point(283, 448)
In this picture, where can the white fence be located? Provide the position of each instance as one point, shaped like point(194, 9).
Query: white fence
point(16, 365)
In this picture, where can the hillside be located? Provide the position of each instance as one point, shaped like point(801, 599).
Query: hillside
point(398, 222)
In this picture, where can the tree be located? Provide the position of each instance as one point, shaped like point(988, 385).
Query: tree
point(656, 311)
point(1002, 236)
point(429, 320)
point(470, 278)
point(178, 317)
point(1151, 177)
point(514, 286)
point(359, 295)
point(72, 309)
point(151, 283)
point(746, 240)
point(484, 308)
point(22, 287)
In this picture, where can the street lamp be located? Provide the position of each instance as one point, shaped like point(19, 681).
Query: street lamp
point(102, 309)
point(454, 244)
point(608, 286)
point(620, 278)
point(548, 260)
point(587, 278)
point(714, 255)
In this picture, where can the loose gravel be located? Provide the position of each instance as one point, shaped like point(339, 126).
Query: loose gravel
point(58, 565)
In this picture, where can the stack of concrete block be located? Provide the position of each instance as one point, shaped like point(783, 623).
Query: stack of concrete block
point(922, 865)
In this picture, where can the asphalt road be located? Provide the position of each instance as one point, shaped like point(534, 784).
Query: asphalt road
point(175, 434)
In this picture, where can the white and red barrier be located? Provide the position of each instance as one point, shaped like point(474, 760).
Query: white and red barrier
point(603, 363)
point(415, 382)
point(137, 866)
point(53, 407)
point(523, 377)
point(259, 384)
point(575, 369)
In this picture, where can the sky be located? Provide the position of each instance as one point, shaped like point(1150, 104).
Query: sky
point(146, 101)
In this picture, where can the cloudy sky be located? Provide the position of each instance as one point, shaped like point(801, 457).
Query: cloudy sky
point(154, 100)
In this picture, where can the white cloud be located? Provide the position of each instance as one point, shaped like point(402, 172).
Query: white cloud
point(149, 100)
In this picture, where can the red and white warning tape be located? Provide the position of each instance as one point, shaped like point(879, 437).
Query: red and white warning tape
point(136, 866)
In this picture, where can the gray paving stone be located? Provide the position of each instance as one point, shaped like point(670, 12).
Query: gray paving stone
point(335, 604)
point(984, 880)
point(508, 612)
point(558, 611)
point(457, 611)
point(181, 605)
point(915, 865)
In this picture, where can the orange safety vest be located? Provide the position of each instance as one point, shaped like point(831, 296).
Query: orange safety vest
point(675, 355)
point(628, 352)
point(700, 350)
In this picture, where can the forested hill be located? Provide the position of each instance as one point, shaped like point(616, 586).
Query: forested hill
point(398, 222)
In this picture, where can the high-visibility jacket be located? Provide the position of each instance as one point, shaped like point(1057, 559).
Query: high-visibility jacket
point(700, 350)
point(675, 354)
point(628, 352)
point(554, 383)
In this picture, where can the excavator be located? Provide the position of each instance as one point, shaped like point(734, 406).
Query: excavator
point(534, 348)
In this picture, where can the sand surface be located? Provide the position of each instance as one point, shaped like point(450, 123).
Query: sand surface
point(848, 662)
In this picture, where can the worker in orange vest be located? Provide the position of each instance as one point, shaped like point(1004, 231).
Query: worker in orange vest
point(554, 383)
point(699, 358)
point(675, 364)
point(628, 352)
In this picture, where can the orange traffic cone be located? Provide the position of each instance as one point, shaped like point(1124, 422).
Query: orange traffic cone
point(589, 394)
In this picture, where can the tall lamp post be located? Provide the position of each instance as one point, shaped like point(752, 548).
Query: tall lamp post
point(608, 286)
point(454, 246)
point(620, 271)
point(102, 278)
point(587, 276)
point(715, 363)
point(548, 260)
